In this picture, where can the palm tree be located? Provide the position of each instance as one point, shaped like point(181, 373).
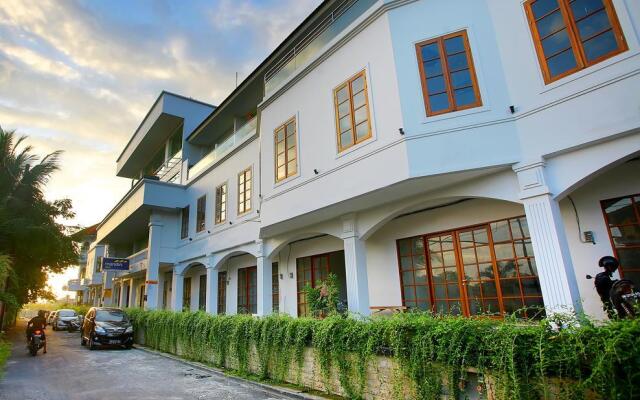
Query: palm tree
point(29, 233)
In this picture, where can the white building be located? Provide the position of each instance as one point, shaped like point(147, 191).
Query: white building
point(462, 156)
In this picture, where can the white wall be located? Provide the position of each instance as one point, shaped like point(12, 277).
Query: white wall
point(620, 181)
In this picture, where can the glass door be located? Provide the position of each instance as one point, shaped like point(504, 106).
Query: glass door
point(444, 274)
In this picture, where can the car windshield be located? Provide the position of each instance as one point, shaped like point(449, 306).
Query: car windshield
point(66, 313)
point(110, 316)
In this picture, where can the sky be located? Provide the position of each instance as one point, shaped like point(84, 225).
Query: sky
point(79, 76)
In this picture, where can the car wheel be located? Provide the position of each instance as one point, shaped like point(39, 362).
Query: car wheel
point(128, 346)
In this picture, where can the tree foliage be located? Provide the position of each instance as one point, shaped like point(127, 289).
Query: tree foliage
point(32, 240)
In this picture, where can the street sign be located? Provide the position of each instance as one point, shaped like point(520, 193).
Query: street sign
point(115, 264)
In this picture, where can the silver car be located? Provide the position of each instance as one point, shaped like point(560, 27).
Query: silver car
point(63, 318)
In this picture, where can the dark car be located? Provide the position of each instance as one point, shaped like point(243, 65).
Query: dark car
point(104, 326)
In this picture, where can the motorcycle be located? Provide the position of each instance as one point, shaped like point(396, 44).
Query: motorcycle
point(36, 341)
point(623, 297)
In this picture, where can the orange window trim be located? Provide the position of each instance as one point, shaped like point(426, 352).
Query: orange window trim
point(348, 84)
point(446, 74)
point(221, 204)
point(288, 138)
point(574, 38)
point(244, 191)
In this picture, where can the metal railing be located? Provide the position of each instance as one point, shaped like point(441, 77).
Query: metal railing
point(240, 136)
point(169, 171)
point(314, 42)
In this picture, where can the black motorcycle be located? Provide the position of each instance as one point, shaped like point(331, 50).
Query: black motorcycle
point(36, 341)
point(619, 297)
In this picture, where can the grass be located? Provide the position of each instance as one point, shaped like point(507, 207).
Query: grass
point(5, 351)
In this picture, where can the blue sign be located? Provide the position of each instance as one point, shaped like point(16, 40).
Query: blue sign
point(115, 264)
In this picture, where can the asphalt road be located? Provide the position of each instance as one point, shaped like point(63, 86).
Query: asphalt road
point(70, 371)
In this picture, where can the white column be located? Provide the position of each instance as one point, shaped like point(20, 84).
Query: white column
point(153, 264)
point(265, 289)
point(212, 289)
point(355, 262)
point(132, 294)
point(122, 295)
point(553, 260)
point(177, 288)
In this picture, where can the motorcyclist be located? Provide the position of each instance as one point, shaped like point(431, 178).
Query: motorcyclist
point(38, 323)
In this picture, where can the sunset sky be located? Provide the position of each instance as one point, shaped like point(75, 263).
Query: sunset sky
point(80, 75)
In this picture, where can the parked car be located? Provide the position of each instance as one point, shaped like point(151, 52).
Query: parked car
point(50, 317)
point(105, 326)
point(63, 318)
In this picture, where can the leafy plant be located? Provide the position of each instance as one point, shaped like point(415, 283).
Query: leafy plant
point(324, 299)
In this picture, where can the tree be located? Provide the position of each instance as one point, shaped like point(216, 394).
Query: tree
point(31, 239)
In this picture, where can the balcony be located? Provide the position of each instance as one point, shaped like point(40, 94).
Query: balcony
point(169, 171)
point(314, 42)
point(234, 141)
point(96, 279)
point(138, 261)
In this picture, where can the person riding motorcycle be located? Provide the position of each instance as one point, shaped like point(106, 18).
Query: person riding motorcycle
point(38, 322)
point(612, 292)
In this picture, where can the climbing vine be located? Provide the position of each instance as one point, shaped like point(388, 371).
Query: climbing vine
point(521, 360)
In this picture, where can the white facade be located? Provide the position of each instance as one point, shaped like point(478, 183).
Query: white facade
point(531, 149)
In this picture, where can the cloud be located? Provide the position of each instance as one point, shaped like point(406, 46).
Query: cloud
point(80, 75)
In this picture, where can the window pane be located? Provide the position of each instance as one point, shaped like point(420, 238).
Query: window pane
point(358, 100)
point(407, 278)
point(471, 272)
point(291, 128)
point(549, 24)
point(581, 8)
point(360, 115)
point(344, 109)
point(629, 258)
point(454, 45)
point(461, 79)
point(531, 287)
point(280, 159)
point(503, 250)
point(405, 247)
point(453, 291)
point(342, 94)
point(459, 61)
point(543, 7)
point(433, 67)
point(436, 260)
point(507, 269)
point(486, 271)
point(500, 231)
point(346, 139)
point(280, 135)
point(292, 167)
point(510, 287)
point(436, 85)
point(421, 276)
point(468, 256)
point(345, 124)
point(527, 267)
point(556, 43)
point(422, 293)
point(439, 102)
point(519, 228)
point(473, 289)
point(489, 289)
point(561, 63)
point(593, 24)
point(464, 97)
point(362, 130)
point(281, 173)
point(357, 85)
point(619, 211)
point(291, 153)
point(409, 293)
point(600, 45)
point(430, 51)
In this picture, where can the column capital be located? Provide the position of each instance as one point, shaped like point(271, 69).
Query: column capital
point(259, 248)
point(349, 225)
point(532, 179)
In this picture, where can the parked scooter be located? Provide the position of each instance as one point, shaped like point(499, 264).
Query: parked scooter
point(36, 341)
point(619, 297)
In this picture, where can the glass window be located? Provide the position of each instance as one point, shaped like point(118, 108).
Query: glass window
point(622, 216)
point(184, 229)
point(186, 295)
point(221, 204)
point(202, 294)
point(285, 145)
point(275, 287)
point(313, 270)
point(222, 292)
point(247, 290)
point(244, 191)
point(352, 112)
point(571, 35)
point(448, 77)
point(200, 213)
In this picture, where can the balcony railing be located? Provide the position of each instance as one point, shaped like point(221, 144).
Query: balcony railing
point(138, 261)
point(312, 44)
point(74, 285)
point(169, 171)
point(240, 136)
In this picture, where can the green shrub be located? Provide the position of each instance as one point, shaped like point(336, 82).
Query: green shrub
point(521, 357)
point(5, 352)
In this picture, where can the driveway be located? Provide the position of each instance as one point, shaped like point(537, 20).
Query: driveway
point(70, 371)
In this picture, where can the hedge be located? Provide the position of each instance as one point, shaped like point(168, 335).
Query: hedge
point(522, 358)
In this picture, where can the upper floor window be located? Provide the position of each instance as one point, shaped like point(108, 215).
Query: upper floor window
point(571, 35)
point(286, 150)
point(184, 229)
point(221, 204)
point(447, 73)
point(352, 111)
point(200, 213)
point(244, 191)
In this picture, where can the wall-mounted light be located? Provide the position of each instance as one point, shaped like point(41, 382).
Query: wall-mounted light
point(230, 223)
point(291, 275)
point(208, 231)
point(401, 131)
point(315, 171)
point(190, 239)
point(512, 109)
point(281, 276)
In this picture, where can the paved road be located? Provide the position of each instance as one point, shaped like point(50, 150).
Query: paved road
point(69, 371)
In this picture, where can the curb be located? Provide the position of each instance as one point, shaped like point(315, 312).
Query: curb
point(290, 393)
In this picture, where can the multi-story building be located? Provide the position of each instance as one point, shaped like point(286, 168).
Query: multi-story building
point(464, 157)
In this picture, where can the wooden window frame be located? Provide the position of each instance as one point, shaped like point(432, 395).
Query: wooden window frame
point(463, 298)
point(184, 223)
point(446, 74)
point(222, 292)
point(354, 136)
point(246, 203)
point(202, 293)
point(574, 38)
point(245, 273)
point(636, 209)
point(284, 126)
point(201, 213)
point(275, 287)
point(220, 214)
point(186, 294)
